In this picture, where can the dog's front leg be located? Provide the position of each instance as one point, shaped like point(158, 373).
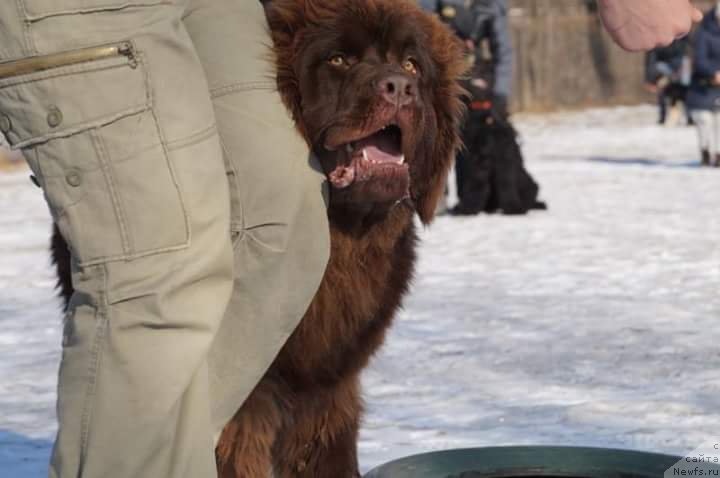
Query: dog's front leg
point(245, 446)
point(337, 459)
point(322, 443)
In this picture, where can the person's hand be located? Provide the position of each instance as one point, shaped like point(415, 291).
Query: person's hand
point(651, 87)
point(638, 25)
point(479, 83)
point(716, 78)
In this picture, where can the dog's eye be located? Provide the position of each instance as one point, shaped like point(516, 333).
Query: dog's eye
point(338, 61)
point(410, 65)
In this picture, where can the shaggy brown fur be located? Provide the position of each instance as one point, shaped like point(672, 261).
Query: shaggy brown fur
point(368, 82)
point(343, 73)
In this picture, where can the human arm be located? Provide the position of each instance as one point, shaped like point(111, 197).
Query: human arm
point(703, 66)
point(651, 72)
point(502, 51)
point(638, 25)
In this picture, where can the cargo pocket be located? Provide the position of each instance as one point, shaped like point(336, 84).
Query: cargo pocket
point(85, 122)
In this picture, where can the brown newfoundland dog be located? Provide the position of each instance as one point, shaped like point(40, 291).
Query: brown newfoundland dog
point(372, 87)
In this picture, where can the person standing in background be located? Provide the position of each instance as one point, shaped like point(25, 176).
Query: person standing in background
point(483, 27)
point(476, 21)
point(667, 74)
point(636, 25)
point(704, 94)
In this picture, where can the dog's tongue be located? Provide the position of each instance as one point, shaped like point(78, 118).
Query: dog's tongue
point(381, 147)
point(375, 153)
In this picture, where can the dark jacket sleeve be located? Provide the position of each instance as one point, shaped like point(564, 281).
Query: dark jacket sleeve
point(501, 49)
point(651, 73)
point(702, 64)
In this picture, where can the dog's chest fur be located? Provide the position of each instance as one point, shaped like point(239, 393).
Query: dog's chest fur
point(369, 271)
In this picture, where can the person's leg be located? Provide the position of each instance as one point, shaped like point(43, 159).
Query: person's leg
point(715, 141)
point(460, 162)
point(681, 93)
point(279, 219)
point(122, 138)
point(462, 158)
point(662, 106)
point(703, 122)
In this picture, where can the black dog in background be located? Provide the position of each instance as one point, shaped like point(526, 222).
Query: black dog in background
point(491, 174)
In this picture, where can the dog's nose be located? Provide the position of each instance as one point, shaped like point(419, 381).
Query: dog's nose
point(398, 90)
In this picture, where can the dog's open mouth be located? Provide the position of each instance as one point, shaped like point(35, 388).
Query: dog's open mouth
point(377, 156)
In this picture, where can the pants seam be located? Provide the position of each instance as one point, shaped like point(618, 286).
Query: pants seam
point(234, 225)
point(130, 157)
point(29, 46)
point(173, 175)
point(112, 189)
point(134, 256)
point(242, 86)
point(192, 139)
point(110, 8)
point(77, 129)
point(101, 317)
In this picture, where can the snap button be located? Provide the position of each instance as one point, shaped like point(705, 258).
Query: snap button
point(73, 179)
point(54, 117)
point(5, 124)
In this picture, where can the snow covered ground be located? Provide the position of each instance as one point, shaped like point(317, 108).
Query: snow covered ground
point(595, 323)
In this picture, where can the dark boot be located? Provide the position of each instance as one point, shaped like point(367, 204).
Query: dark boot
point(705, 157)
point(716, 163)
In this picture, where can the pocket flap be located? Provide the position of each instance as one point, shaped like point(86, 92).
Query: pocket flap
point(61, 101)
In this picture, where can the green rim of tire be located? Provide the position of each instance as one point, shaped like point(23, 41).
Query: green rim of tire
point(529, 462)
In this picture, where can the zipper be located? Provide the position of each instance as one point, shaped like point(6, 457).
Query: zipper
point(57, 60)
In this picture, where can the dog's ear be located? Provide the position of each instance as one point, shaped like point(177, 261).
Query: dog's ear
point(444, 149)
point(449, 57)
point(287, 20)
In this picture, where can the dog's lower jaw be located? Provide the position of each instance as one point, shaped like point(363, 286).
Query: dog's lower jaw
point(358, 218)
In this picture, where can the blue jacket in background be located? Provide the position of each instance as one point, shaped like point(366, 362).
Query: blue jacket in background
point(478, 20)
point(703, 95)
point(667, 62)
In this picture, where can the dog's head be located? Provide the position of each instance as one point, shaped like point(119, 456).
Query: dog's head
point(372, 86)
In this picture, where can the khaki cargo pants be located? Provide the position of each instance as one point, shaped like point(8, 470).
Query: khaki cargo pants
point(136, 116)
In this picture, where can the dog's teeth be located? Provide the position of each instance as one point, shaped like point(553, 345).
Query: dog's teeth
point(402, 159)
point(365, 156)
point(349, 148)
